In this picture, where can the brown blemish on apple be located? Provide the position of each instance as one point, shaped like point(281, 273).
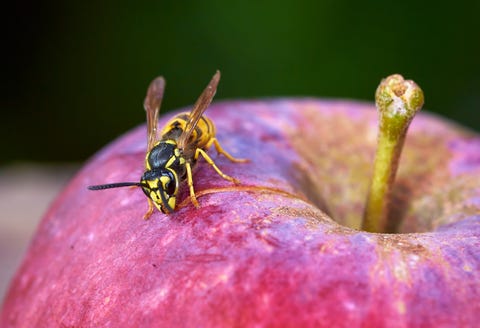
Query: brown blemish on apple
point(404, 243)
point(397, 258)
point(314, 216)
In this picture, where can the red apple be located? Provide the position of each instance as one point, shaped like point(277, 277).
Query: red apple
point(281, 249)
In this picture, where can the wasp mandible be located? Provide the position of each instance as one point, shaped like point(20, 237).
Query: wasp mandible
point(171, 157)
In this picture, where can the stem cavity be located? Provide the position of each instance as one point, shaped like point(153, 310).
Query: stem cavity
point(397, 102)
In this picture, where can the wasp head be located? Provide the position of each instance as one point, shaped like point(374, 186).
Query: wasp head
point(161, 186)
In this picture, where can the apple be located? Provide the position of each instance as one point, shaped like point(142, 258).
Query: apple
point(284, 248)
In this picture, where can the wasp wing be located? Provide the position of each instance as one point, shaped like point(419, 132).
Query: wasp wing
point(152, 103)
point(198, 109)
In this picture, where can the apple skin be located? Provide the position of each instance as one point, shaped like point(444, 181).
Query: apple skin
point(265, 253)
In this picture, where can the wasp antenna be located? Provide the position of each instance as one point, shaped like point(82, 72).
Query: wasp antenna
point(115, 185)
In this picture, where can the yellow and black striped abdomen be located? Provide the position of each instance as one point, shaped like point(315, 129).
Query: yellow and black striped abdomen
point(201, 135)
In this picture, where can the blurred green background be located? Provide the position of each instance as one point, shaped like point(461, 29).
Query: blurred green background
point(76, 72)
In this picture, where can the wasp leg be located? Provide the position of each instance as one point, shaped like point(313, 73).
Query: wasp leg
point(220, 150)
point(193, 198)
point(212, 163)
point(150, 210)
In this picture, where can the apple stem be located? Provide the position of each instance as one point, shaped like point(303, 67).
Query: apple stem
point(397, 102)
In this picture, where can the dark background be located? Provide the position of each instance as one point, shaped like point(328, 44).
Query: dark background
point(76, 72)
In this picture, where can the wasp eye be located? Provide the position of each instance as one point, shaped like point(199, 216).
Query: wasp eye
point(169, 183)
point(170, 187)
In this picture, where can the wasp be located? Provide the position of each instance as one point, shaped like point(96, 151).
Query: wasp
point(172, 154)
